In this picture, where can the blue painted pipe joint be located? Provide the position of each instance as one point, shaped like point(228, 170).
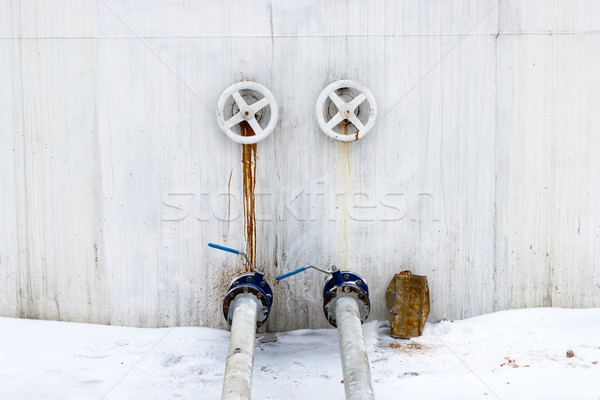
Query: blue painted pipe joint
point(252, 283)
point(345, 284)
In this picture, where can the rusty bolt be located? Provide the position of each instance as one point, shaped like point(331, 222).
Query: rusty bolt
point(346, 289)
point(359, 282)
point(249, 279)
point(265, 309)
point(259, 296)
point(346, 277)
point(361, 296)
point(245, 290)
point(263, 284)
point(327, 307)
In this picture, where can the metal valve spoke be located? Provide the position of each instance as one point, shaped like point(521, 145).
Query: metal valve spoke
point(354, 119)
point(337, 100)
point(236, 119)
point(255, 126)
point(337, 118)
point(259, 105)
point(239, 100)
point(357, 101)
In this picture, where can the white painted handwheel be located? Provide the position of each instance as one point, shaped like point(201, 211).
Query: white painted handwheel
point(247, 112)
point(346, 111)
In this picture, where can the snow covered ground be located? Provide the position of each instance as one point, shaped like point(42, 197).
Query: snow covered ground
point(518, 354)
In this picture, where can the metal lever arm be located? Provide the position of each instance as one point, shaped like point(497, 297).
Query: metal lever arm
point(333, 269)
point(216, 246)
point(219, 247)
point(280, 277)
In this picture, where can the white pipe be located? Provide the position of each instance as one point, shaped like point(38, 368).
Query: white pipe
point(355, 364)
point(237, 382)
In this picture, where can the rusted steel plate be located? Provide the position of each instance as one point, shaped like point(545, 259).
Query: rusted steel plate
point(407, 299)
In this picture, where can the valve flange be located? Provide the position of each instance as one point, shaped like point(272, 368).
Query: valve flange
point(251, 283)
point(345, 284)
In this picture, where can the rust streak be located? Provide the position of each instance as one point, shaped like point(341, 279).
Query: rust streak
point(249, 182)
point(348, 156)
point(347, 148)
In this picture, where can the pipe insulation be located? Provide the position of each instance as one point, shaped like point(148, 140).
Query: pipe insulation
point(237, 381)
point(355, 363)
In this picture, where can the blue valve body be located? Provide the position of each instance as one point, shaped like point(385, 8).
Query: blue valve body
point(345, 283)
point(252, 283)
point(337, 279)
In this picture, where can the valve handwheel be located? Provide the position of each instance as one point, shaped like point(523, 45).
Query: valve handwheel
point(346, 110)
point(247, 112)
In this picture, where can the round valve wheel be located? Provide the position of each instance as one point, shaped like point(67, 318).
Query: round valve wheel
point(346, 110)
point(250, 102)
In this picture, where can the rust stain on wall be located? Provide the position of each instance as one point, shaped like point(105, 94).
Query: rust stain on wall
point(249, 182)
point(348, 147)
point(342, 186)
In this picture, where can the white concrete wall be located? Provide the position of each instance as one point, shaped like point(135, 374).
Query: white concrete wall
point(115, 174)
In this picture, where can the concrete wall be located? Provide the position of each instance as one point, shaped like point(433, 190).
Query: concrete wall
point(482, 172)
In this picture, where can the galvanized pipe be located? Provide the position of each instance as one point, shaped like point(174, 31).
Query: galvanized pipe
point(355, 364)
point(237, 382)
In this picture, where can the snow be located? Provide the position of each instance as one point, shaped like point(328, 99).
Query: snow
point(513, 354)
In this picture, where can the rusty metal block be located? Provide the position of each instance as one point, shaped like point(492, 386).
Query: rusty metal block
point(407, 299)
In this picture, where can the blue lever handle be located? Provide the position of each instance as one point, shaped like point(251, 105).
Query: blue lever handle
point(216, 246)
point(280, 277)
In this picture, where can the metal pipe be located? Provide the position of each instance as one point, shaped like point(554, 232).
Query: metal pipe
point(237, 381)
point(346, 306)
point(355, 363)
